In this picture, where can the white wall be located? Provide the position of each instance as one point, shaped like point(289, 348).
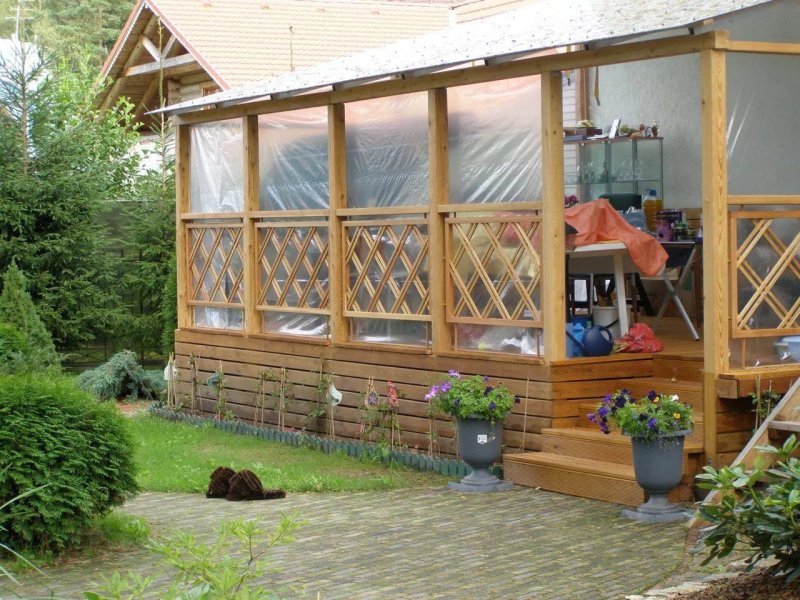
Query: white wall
point(763, 108)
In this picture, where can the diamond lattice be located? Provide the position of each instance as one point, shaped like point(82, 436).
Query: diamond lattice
point(216, 259)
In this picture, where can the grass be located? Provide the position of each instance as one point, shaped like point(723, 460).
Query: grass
point(175, 457)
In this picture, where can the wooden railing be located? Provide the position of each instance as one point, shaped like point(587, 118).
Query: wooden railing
point(386, 263)
point(293, 267)
point(215, 260)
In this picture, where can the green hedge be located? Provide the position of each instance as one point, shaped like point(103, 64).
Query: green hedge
point(52, 434)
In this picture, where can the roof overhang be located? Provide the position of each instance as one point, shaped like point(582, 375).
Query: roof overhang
point(501, 38)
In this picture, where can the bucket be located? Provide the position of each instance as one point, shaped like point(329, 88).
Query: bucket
point(606, 315)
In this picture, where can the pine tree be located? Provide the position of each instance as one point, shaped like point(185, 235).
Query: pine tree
point(17, 309)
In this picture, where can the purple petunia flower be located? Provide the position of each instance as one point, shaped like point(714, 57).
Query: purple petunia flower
point(516, 399)
point(651, 424)
point(456, 402)
point(485, 378)
point(445, 387)
point(592, 417)
point(602, 411)
point(651, 395)
point(488, 390)
point(492, 405)
point(454, 373)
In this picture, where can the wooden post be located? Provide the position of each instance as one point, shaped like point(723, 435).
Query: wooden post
point(553, 261)
point(183, 187)
point(337, 180)
point(439, 195)
point(716, 318)
point(252, 317)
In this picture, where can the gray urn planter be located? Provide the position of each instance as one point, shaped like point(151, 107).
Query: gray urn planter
point(658, 466)
point(480, 443)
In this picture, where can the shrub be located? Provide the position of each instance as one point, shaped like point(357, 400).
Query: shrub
point(767, 522)
point(122, 377)
point(52, 434)
point(14, 350)
point(17, 309)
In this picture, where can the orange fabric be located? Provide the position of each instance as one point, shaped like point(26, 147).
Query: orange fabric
point(598, 221)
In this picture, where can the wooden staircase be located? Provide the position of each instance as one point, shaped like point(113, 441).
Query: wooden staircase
point(583, 461)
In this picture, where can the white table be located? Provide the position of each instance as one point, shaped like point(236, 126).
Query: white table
point(594, 259)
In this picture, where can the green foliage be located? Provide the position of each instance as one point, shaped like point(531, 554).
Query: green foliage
point(66, 163)
point(226, 569)
point(653, 415)
point(465, 397)
point(122, 377)
point(169, 308)
point(763, 403)
point(765, 522)
point(14, 350)
point(77, 452)
point(17, 309)
point(378, 418)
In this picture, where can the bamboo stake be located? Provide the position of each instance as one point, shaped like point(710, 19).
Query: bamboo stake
point(525, 416)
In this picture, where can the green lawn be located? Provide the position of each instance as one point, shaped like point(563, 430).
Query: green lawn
point(175, 457)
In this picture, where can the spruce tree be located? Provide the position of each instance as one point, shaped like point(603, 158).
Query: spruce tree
point(17, 309)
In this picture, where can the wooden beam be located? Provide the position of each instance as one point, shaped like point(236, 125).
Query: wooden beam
point(764, 48)
point(183, 188)
point(716, 284)
point(169, 45)
point(765, 200)
point(149, 94)
point(553, 262)
point(337, 182)
point(151, 48)
point(439, 187)
point(167, 64)
point(252, 317)
point(676, 46)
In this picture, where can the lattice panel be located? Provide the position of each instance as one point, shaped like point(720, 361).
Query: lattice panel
point(494, 269)
point(293, 267)
point(765, 273)
point(387, 265)
point(216, 262)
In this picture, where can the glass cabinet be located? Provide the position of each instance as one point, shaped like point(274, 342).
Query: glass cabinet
point(613, 166)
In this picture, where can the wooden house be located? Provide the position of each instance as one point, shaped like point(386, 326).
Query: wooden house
point(400, 212)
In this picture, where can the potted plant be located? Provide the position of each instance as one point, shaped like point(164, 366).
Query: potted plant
point(479, 410)
point(658, 425)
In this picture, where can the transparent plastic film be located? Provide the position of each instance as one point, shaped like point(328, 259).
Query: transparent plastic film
point(287, 323)
point(293, 160)
point(495, 141)
point(217, 159)
point(387, 151)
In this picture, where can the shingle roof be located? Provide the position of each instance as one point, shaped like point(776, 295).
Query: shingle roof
point(543, 25)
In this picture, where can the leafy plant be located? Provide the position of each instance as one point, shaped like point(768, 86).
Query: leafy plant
point(765, 521)
point(79, 449)
point(14, 350)
point(320, 407)
point(465, 397)
point(274, 392)
point(217, 383)
point(379, 417)
point(210, 572)
point(17, 309)
point(653, 415)
point(122, 377)
point(763, 403)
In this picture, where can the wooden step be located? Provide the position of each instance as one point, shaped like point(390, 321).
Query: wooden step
point(614, 447)
point(582, 477)
point(678, 367)
point(780, 430)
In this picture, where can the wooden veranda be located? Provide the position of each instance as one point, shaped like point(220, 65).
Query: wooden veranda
point(314, 261)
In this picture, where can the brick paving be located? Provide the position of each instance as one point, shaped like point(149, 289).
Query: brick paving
point(417, 544)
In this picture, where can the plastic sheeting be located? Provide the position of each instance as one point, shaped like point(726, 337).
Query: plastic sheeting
point(217, 186)
point(286, 323)
point(293, 159)
point(495, 141)
point(512, 340)
point(217, 158)
point(382, 331)
point(387, 151)
point(763, 129)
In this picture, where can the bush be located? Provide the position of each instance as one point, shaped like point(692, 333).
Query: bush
point(767, 522)
point(122, 377)
point(14, 350)
point(52, 434)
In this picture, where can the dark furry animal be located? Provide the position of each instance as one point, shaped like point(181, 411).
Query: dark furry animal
point(246, 485)
point(220, 482)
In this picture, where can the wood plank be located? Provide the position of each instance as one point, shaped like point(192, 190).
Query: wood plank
point(553, 264)
point(439, 190)
point(183, 187)
point(765, 200)
point(252, 316)
point(716, 306)
point(337, 181)
point(174, 64)
point(749, 47)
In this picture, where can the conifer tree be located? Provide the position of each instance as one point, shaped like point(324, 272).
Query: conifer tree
point(17, 309)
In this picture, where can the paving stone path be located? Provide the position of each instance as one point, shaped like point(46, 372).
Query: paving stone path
point(417, 544)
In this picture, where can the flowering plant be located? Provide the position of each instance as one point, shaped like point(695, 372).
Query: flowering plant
point(653, 415)
point(465, 397)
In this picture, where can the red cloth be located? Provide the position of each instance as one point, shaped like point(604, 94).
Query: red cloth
point(640, 338)
point(598, 221)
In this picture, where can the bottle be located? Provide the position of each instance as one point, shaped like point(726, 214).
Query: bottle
point(652, 205)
